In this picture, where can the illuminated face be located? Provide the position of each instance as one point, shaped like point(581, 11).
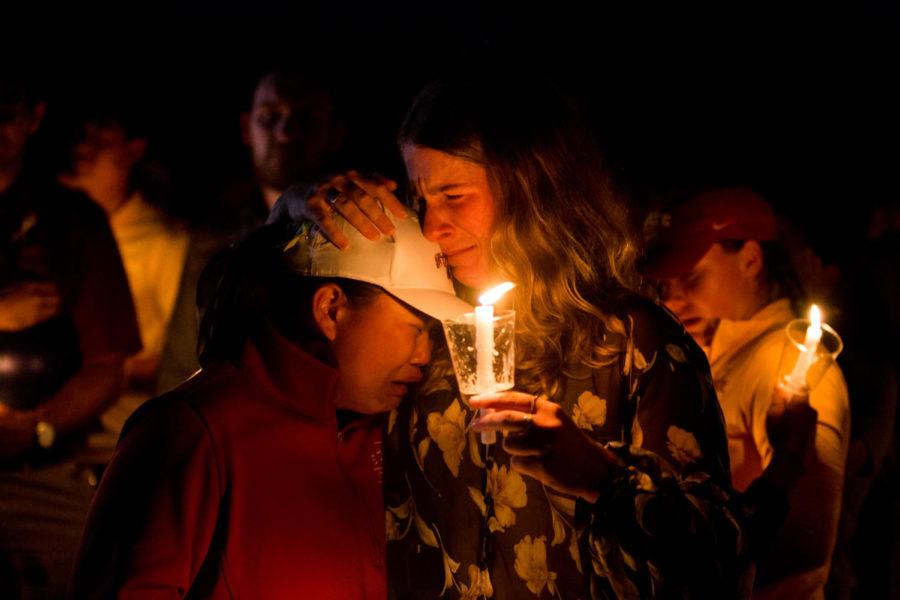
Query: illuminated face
point(714, 289)
point(380, 347)
point(288, 134)
point(459, 210)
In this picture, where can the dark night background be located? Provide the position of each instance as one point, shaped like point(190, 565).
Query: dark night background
point(799, 103)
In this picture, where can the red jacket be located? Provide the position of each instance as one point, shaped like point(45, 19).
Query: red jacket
point(238, 484)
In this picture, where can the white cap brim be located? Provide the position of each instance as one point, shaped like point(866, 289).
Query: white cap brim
point(434, 303)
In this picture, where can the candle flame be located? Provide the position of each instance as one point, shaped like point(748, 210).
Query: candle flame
point(493, 295)
point(815, 317)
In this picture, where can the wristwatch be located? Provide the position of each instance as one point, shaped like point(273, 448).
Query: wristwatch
point(45, 434)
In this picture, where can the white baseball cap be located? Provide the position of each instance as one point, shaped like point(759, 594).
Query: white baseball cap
point(404, 264)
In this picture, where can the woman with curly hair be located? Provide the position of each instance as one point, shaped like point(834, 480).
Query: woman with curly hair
point(612, 479)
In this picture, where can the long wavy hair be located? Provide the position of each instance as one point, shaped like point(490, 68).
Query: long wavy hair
point(560, 233)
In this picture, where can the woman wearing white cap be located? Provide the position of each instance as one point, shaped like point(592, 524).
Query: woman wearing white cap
point(627, 492)
point(260, 477)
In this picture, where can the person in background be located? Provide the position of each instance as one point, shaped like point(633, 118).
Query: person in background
point(67, 326)
point(109, 162)
point(730, 282)
point(291, 130)
point(261, 476)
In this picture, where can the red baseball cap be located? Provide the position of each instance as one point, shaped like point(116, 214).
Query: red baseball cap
point(688, 232)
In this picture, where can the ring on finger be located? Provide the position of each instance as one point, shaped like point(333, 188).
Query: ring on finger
point(533, 406)
point(528, 419)
point(332, 196)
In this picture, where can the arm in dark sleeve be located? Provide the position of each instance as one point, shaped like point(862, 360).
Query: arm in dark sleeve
point(151, 524)
point(663, 524)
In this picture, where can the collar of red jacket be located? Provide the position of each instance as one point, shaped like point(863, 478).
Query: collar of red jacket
point(292, 377)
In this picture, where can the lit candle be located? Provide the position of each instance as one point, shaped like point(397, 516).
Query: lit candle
point(484, 345)
point(797, 378)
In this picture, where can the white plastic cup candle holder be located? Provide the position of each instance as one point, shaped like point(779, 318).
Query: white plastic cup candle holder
point(476, 376)
point(795, 350)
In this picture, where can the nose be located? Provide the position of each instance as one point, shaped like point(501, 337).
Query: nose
point(422, 353)
point(437, 227)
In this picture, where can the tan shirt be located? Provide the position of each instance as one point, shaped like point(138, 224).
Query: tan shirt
point(153, 253)
point(744, 358)
point(153, 250)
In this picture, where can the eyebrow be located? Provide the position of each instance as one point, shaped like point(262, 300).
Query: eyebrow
point(443, 188)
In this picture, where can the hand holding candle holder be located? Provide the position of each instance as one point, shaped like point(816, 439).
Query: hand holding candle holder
point(810, 348)
point(482, 348)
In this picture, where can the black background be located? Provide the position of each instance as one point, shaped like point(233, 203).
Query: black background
point(800, 102)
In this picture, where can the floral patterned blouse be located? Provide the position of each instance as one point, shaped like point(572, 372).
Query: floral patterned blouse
point(462, 524)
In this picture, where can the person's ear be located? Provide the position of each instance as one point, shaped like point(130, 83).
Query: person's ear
point(751, 259)
point(329, 306)
point(245, 128)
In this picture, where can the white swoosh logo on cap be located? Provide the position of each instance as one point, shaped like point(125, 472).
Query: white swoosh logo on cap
point(723, 225)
